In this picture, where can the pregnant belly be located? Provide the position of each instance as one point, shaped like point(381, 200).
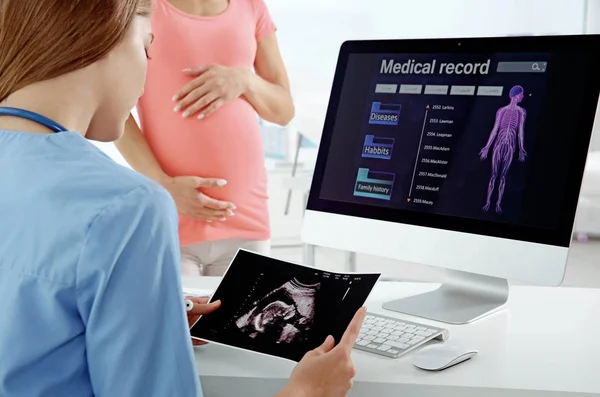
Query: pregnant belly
point(226, 145)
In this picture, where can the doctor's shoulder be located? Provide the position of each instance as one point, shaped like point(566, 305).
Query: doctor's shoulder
point(124, 195)
point(144, 194)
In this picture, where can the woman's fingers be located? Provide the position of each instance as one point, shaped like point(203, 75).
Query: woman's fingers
point(200, 104)
point(213, 107)
point(202, 309)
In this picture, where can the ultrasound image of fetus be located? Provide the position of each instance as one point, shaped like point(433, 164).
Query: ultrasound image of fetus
point(283, 315)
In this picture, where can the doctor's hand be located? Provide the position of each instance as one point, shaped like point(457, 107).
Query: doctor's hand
point(196, 205)
point(201, 308)
point(212, 87)
point(327, 371)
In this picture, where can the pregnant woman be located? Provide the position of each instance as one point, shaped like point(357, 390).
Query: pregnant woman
point(213, 66)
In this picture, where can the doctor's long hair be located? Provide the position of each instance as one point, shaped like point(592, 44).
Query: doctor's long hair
point(44, 39)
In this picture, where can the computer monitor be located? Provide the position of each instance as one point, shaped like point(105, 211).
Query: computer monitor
point(465, 154)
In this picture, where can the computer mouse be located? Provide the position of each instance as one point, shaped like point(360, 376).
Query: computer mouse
point(439, 357)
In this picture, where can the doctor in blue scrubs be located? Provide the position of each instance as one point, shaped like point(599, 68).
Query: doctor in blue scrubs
point(91, 302)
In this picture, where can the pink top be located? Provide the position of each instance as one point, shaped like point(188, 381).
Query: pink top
point(226, 144)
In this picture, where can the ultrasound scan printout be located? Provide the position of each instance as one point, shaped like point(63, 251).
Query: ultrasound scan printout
point(282, 309)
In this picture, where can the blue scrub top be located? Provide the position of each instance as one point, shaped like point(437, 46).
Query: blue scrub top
point(90, 289)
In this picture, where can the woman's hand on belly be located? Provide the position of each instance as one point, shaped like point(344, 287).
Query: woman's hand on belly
point(194, 204)
point(212, 87)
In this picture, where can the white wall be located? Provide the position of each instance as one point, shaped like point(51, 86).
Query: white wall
point(311, 32)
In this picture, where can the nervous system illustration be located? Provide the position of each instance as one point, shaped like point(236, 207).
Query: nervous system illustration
point(508, 131)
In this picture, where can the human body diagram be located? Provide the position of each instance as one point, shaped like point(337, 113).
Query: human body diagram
point(507, 134)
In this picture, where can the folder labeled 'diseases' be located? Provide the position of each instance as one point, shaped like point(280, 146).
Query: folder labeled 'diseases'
point(385, 113)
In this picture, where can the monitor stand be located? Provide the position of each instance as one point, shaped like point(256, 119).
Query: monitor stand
point(461, 299)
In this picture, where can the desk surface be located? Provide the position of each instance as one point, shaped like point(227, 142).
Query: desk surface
point(544, 342)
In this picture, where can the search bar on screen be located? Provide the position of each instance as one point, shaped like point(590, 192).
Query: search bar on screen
point(522, 67)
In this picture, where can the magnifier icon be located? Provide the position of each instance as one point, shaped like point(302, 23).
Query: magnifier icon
point(535, 66)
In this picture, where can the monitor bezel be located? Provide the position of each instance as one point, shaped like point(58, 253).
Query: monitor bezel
point(562, 235)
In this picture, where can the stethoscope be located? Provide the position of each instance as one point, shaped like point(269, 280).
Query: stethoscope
point(32, 116)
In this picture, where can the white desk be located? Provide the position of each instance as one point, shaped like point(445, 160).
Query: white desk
point(545, 343)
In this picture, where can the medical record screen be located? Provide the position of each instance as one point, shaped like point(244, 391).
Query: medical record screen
point(449, 134)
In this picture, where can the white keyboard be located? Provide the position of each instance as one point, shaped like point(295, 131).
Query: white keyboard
point(390, 337)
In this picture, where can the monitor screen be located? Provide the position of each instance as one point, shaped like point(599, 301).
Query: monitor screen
point(476, 140)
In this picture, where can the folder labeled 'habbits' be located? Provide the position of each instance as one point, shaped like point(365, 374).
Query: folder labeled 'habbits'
point(378, 147)
point(374, 184)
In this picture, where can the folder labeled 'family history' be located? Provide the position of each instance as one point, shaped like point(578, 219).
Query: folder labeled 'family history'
point(374, 184)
